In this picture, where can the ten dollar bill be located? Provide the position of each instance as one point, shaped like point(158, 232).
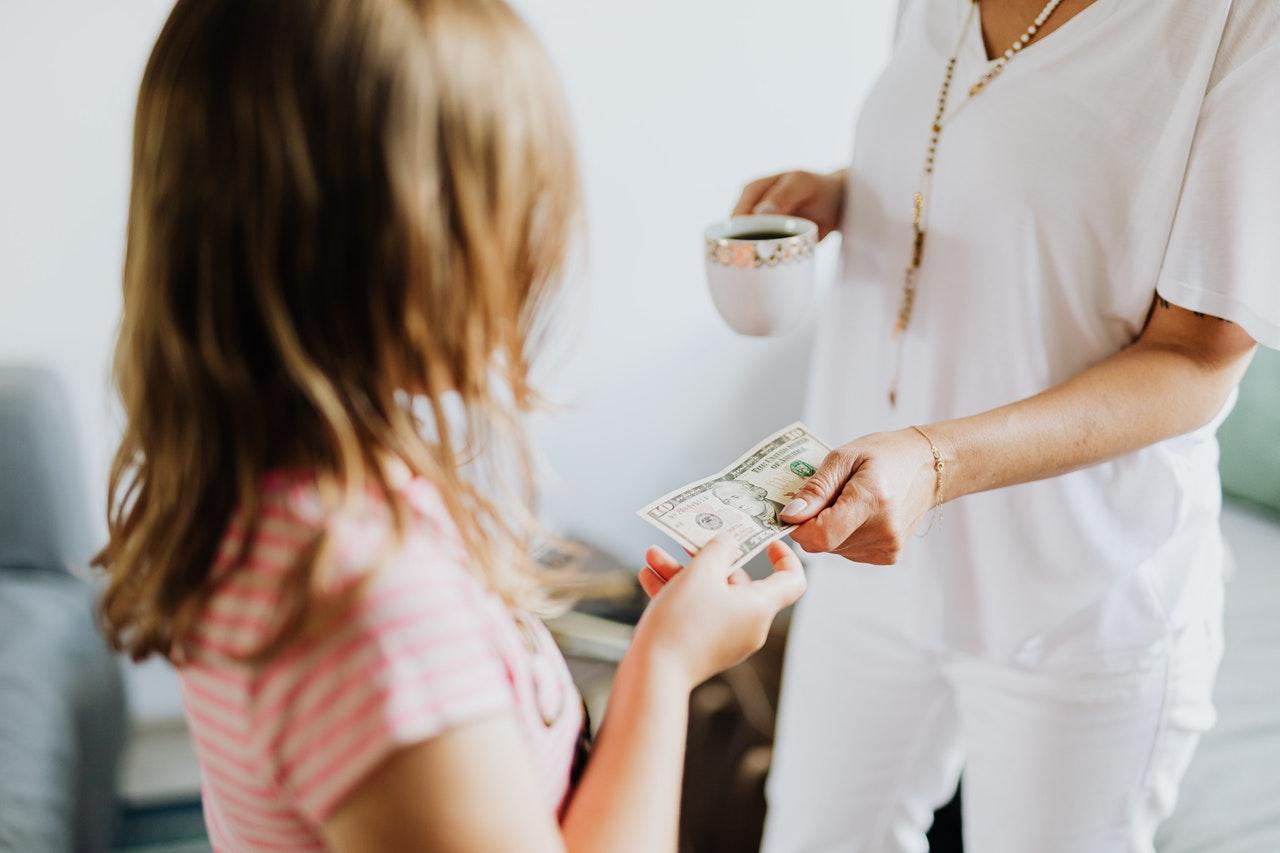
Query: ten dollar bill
point(745, 499)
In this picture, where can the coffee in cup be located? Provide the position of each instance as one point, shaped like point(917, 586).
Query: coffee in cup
point(760, 270)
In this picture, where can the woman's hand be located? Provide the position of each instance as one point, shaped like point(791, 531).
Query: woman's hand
point(819, 198)
point(705, 618)
point(866, 498)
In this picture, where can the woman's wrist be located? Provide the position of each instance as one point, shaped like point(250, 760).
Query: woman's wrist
point(940, 437)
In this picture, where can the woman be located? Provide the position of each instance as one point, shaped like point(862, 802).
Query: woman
point(1040, 324)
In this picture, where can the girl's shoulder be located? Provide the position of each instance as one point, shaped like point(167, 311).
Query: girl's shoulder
point(413, 645)
point(351, 563)
point(349, 539)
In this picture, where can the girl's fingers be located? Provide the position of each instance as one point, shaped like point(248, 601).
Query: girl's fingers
point(661, 567)
point(661, 562)
point(649, 581)
point(787, 583)
point(783, 558)
point(716, 557)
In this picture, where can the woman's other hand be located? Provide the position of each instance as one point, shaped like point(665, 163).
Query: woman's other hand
point(706, 617)
point(819, 198)
point(866, 498)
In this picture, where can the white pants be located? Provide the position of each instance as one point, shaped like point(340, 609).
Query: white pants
point(874, 729)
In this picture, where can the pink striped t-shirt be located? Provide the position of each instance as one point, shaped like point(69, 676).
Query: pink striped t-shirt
point(426, 647)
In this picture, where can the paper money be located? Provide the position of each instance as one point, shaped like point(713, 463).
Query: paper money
point(745, 499)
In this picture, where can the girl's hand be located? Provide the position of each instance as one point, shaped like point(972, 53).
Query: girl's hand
point(819, 198)
point(705, 618)
point(866, 498)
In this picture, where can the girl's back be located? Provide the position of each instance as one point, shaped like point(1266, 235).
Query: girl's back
point(424, 647)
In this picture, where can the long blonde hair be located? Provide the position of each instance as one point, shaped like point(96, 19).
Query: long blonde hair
point(335, 204)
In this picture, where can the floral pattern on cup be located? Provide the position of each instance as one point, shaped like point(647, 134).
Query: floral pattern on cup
point(762, 253)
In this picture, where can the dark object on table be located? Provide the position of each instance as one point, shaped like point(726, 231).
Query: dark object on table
point(599, 583)
point(62, 713)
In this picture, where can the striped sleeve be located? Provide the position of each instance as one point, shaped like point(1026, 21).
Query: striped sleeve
point(412, 659)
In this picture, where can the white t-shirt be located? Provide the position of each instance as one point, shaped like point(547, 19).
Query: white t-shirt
point(1135, 149)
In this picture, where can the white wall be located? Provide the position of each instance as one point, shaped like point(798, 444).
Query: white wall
point(69, 72)
point(676, 103)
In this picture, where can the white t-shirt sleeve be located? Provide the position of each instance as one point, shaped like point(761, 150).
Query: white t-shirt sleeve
point(1223, 256)
point(898, 20)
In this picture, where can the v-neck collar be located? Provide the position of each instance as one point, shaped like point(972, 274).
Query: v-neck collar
point(1038, 51)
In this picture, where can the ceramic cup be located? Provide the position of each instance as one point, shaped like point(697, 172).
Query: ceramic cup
point(761, 271)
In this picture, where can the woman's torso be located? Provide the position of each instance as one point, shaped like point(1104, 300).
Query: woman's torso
point(1049, 213)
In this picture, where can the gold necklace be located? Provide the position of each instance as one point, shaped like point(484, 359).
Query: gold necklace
point(940, 119)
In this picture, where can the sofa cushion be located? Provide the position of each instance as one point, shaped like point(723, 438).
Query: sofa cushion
point(62, 716)
point(44, 511)
point(1250, 438)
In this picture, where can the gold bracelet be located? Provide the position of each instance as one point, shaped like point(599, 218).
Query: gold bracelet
point(939, 495)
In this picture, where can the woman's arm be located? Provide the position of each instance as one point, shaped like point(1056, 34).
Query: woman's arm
point(868, 497)
point(474, 787)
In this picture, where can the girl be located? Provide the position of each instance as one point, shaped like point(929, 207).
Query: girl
point(341, 209)
point(1059, 230)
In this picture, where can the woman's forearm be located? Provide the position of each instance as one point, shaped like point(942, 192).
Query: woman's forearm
point(869, 495)
point(1144, 394)
point(629, 797)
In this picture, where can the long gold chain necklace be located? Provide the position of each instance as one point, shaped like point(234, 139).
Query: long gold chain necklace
point(919, 210)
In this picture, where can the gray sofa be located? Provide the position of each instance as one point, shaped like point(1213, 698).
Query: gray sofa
point(62, 706)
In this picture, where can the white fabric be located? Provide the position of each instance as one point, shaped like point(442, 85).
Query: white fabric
point(1222, 257)
point(1134, 147)
point(871, 739)
point(1230, 798)
point(1057, 205)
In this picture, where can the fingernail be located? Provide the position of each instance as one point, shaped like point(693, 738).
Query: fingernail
point(766, 206)
point(796, 506)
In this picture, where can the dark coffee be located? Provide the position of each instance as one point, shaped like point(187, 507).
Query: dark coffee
point(761, 235)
